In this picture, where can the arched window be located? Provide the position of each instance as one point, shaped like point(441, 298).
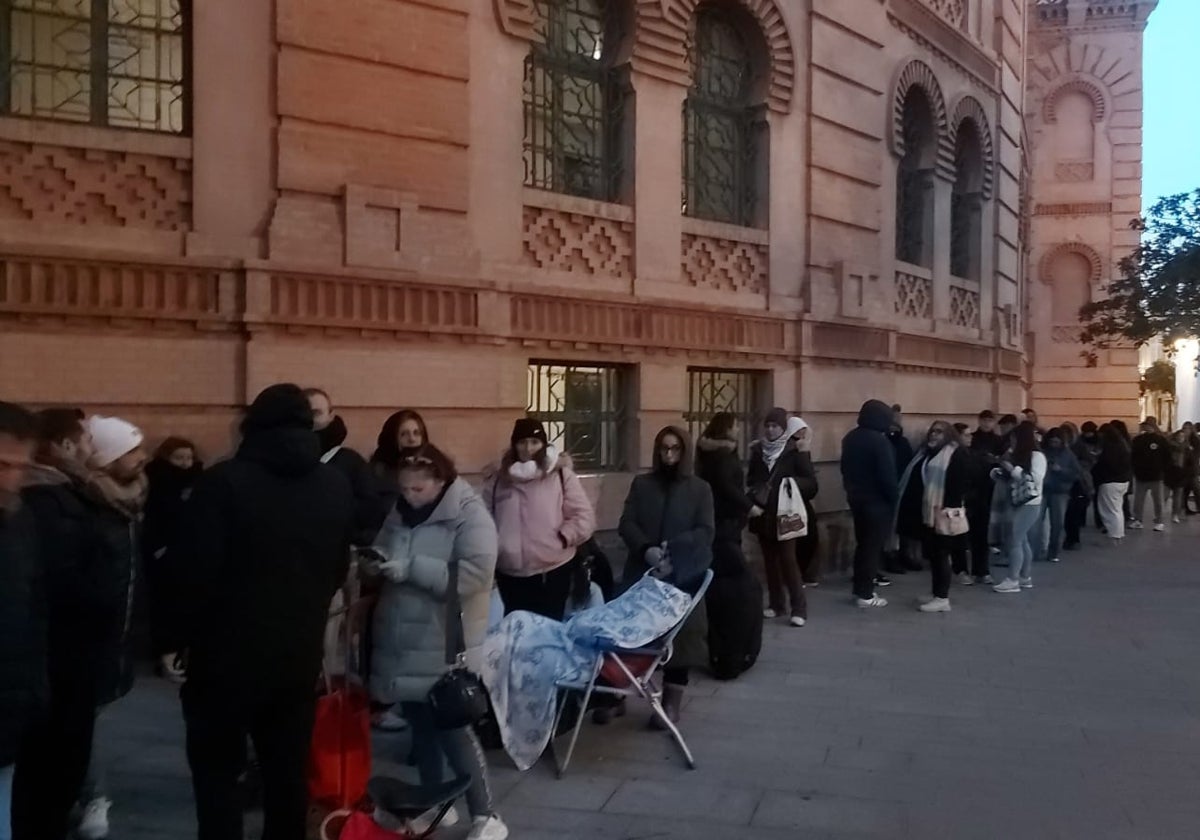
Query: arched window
point(574, 100)
point(966, 203)
point(1071, 288)
point(721, 121)
point(103, 62)
point(1073, 136)
point(914, 181)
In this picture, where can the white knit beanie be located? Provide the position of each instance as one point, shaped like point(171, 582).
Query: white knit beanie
point(112, 437)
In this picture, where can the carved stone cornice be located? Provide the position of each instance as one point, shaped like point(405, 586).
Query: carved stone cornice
point(928, 29)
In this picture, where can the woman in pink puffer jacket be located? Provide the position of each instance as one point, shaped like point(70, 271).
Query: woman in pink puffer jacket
point(542, 516)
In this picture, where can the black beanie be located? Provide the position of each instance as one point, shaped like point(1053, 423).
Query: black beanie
point(529, 427)
point(278, 407)
point(778, 416)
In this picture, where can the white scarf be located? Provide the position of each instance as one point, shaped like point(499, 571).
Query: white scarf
point(772, 449)
point(528, 470)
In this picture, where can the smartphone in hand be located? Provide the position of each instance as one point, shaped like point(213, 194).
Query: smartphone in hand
point(369, 559)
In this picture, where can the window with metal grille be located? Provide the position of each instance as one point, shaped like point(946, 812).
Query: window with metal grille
point(574, 100)
point(719, 144)
point(966, 200)
point(584, 410)
point(740, 392)
point(914, 181)
point(117, 63)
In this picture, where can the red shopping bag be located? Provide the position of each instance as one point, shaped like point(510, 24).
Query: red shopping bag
point(339, 761)
point(356, 825)
point(612, 675)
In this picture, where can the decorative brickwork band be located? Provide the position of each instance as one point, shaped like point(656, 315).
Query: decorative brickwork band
point(968, 108)
point(918, 73)
point(44, 183)
point(724, 264)
point(578, 243)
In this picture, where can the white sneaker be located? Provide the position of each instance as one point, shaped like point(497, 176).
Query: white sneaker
point(1007, 585)
point(1136, 525)
point(389, 721)
point(1175, 519)
point(769, 613)
point(1026, 583)
point(965, 579)
point(1161, 526)
point(796, 621)
point(986, 580)
point(873, 601)
point(1053, 559)
point(93, 825)
point(935, 605)
point(488, 828)
point(422, 824)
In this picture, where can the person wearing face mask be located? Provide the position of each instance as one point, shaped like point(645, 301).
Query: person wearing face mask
point(22, 630)
point(331, 432)
point(438, 519)
point(402, 434)
point(773, 459)
point(543, 516)
point(172, 474)
point(265, 545)
point(87, 493)
point(668, 526)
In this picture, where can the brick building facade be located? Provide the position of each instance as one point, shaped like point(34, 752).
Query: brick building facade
point(614, 213)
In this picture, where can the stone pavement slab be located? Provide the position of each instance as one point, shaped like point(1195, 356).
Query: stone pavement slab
point(1069, 711)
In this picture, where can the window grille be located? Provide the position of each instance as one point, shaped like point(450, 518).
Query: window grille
point(116, 63)
point(914, 204)
point(719, 154)
point(574, 101)
point(740, 392)
point(965, 198)
point(584, 409)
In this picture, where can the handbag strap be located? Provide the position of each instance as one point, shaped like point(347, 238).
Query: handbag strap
point(456, 643)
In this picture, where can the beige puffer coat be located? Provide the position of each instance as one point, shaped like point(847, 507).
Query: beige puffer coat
point(408, 655)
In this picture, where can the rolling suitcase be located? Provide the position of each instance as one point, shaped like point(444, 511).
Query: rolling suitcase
point(735, 624)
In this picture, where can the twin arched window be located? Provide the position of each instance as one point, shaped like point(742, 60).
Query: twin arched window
point(966, 203)
point(914, 180)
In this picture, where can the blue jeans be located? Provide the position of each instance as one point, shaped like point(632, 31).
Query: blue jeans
point(6, 779)
point(1056, 512)
point(1019, 549)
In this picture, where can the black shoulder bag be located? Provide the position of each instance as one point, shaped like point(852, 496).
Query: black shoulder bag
point(459, 699)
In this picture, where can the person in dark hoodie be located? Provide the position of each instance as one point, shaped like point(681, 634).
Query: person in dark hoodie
point(1112, 473)
point(667, 526)
point(172, 474)
point(871, 481)
point(1151, 457)
point(22, 619)
point(87, 492)
point(369, 507)
point(265, 545)
point(717, 462)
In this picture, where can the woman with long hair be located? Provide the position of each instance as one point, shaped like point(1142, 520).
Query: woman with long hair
point(1112, 474)
point(437, 520)
point(935, 480)
point(1021, 474)
point(403, 433)
point(718, 463)
point(543, 516)
point(1063, 473)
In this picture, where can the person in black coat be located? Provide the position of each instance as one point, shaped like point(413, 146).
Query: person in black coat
point(717, 462)
point(1151, 458)
point(22, 619)
point(265, 546)
point(773, 459)
point(87, 491)
point(172, 474)
point(370, 506)
point(869, 476)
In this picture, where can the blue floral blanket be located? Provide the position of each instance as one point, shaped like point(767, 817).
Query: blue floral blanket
point(527, 654)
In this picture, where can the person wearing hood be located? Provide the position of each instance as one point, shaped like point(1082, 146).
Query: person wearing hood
point(172, 474)
point(265, 544)
point(869, 476)
point(22, 618)
point(773, 459)
point(543, 516)
point(369, 507)
point(668, 526)
point(438, 520)
point(87, 493)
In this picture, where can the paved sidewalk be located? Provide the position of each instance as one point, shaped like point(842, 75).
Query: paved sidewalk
point(1068, 711)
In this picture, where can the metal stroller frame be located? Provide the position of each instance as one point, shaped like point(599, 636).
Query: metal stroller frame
point(641, 684)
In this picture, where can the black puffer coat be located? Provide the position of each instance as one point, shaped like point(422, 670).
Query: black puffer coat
point(91, 561)
point(764, 483)
point(22, 630)
point(717, 463)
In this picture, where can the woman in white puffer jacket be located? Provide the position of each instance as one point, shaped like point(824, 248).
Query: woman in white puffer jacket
point(542, 516)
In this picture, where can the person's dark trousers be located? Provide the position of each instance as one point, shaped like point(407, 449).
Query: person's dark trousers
point(872, 524)
point(936, 550)
point(979, 513)
point(958, 548)
point(219, 720)
point(1076, 518)
point(51, 766)
point(783, 573)
point(542, 594)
